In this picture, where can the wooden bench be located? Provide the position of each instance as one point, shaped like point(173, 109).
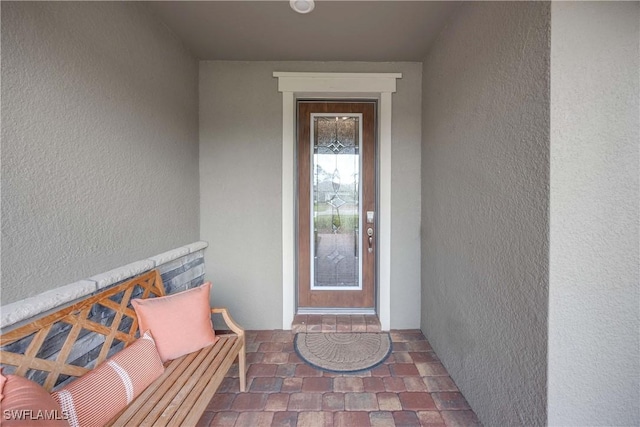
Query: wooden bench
point(178, 397)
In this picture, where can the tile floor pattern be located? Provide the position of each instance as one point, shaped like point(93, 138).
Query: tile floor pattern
point(411, 388)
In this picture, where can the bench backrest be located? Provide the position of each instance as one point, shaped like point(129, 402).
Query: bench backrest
point(69, 342)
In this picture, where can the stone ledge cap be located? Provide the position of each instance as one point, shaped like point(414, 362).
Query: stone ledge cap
point(32, 306)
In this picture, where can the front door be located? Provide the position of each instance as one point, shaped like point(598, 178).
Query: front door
point(336, 205)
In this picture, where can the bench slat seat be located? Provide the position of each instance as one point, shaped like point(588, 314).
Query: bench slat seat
point(184, 389)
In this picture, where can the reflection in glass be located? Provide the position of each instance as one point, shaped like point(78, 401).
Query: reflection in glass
point(336, 195)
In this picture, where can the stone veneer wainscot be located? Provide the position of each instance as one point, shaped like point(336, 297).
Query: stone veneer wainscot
point(181, 268)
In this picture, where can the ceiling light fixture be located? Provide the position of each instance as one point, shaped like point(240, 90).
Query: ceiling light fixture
point(302, 6)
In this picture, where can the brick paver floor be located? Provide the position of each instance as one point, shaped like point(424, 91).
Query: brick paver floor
point(411, 388)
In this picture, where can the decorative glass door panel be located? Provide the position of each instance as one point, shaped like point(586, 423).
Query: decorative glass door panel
point(336, 205)
point(335, 209)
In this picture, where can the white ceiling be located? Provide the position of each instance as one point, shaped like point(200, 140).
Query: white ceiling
point(334, 31)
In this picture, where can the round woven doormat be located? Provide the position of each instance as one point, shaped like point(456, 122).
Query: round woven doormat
point(343, 352)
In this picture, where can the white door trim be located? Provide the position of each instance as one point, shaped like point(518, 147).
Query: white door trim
point(378, 85)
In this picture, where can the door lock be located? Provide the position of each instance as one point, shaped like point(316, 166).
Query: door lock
point(370, 217)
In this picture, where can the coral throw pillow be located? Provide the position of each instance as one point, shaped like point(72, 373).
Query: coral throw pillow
point(97, 396)
point(180, 323)
point(3, 379)
point(26, 403)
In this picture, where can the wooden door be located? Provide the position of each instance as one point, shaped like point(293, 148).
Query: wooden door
point(336, 190)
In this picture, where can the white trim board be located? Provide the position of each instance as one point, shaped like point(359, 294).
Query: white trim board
point(336, 85)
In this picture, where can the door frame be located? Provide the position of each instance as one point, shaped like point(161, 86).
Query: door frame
point(294, 85)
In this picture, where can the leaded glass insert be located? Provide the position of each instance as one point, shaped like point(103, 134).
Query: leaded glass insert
point(336, 201)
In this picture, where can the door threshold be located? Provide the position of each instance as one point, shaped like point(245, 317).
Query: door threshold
point(336, 311)
point(308, 323)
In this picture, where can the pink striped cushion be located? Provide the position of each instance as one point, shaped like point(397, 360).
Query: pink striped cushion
point(96, 397)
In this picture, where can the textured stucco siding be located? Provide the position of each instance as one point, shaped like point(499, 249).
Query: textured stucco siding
point(99, 142)
point(241, 183)
point(594, 304)
point(485, 177)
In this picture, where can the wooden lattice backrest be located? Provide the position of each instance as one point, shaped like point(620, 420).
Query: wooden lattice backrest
point(71, 341)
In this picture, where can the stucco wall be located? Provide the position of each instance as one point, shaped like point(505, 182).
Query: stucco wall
point(99, 142)
point(485, 176)
point(594, 305)
point(241, 170)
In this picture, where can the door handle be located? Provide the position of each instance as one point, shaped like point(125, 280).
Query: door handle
point(370, 234)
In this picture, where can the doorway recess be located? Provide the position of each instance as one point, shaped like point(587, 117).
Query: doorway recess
point(294, 85)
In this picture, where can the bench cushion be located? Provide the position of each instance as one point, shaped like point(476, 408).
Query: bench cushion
point(94, 398)
point(180, 323)
point(3, 379)
point(23, 398)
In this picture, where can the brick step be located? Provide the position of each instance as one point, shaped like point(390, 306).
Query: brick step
point(335, 323)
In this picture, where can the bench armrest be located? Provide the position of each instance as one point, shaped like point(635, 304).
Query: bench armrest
point(242, 355)
point(228, 320)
